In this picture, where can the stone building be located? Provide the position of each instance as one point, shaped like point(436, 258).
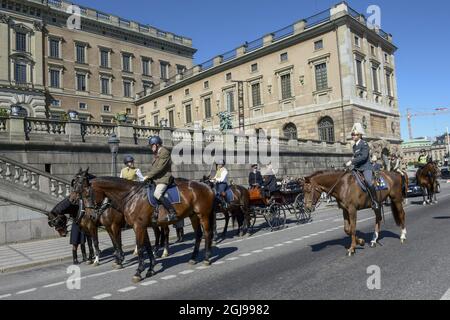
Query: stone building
point(438, 149)
point(311, 80)
point(48, 66)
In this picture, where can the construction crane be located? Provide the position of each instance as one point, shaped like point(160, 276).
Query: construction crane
point(409, 115)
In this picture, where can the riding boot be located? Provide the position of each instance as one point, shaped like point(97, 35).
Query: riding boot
point(172, 214)
point(373, 196)
point(75, 257)
point(83, 252)
point(181, 234)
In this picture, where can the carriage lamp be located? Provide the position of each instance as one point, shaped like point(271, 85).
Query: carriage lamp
point(113, 142)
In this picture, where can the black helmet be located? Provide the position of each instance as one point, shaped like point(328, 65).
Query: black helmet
point(127, 159)
point(155, 140)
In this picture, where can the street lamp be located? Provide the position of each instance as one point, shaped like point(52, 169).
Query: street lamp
point(113, 142)
point(163, 122)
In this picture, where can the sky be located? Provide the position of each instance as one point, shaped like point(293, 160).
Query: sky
point(420, 29)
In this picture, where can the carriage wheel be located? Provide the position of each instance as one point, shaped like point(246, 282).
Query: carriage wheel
point(275, 216)
point(300, 213)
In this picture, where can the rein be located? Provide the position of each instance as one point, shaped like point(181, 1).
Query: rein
point(330, 191)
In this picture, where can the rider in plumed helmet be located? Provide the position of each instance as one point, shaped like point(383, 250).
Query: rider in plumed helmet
point(161, 174)
point(361, 161)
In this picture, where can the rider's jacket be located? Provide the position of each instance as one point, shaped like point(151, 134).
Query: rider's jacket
point(161, 171)
point(423, 159)
point(132, 174)
point(221, 175)
point(361, 159)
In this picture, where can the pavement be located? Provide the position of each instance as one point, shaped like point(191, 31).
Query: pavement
point(306, 261)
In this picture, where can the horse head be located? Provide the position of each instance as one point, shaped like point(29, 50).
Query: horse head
point(58, 222)
point(311, 193)
point(79, 183)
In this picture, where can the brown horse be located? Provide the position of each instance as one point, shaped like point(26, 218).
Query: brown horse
point(130, 198)
point(343, 186)
point(426, 178)
point(238, 209)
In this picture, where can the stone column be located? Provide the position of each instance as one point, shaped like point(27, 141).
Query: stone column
point(125, 133)
point(73, 131)
point(16, 129)
point(267, 39)
point(299, 26)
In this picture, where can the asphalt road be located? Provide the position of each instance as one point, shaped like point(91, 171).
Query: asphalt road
point(300, 262)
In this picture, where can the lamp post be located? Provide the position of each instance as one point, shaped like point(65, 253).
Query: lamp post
point(163, 122)
point(113, 142)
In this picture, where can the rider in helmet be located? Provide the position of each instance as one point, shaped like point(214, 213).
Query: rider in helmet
point(221, 180)
point(130, 172)
point(161, 174)
point(423, 158)
point(361, 161)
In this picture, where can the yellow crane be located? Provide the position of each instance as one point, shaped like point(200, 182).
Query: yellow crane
point(409, 116)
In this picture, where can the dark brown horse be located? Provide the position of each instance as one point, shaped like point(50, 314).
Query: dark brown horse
point(238, 209)
point(342, 185)
point(130, 198)
point(426, 178)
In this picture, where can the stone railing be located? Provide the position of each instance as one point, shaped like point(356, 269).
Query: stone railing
point(96, 129)
point(32, 178)
point(43, 126)
point(3, 121)
point(145, 132)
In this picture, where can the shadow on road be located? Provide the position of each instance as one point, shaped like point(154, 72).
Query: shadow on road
point(346, 241)
point(442, 218)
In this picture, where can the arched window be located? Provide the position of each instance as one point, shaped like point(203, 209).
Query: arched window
point(326, 129)
point(290, 131)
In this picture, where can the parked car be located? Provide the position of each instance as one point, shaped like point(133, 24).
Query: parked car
point(415, 191)
point(445, 173)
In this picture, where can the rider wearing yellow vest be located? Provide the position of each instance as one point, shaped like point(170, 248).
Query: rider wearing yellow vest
point(130, 172)
point(423, 158)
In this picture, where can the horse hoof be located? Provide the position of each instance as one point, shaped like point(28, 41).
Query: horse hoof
point(136, 279)
point(362, 243)
point(373, 244)
point(350, 253)
point(402, 241)
point(88, 262)
point(117, 266)
point(192, 262)
point(150, 273)
point(207, 263)
point(96, 264)
point(165, 255)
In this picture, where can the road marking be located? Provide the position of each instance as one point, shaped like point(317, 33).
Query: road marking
point(446, 295)
point(245, 254)
point(314, 234)
point(26, 291)
point(219, 262)
point(278, 245)
point(268, 248)
point(257, 251)
point(54, 284)
point(127, 289)
point(202, 267)
point(186, 271)
point(288, 242)
point(169, 277)
point(5, 295)
point(102, 296)
point(147, 283)
point(232, 258)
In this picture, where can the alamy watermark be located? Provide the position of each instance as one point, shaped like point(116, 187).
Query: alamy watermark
point(73, 282)
point(374, 280)
point(74, 20)
point(374, 18)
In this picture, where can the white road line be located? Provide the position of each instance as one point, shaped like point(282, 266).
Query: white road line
point(288, 242)
point(268, 248)
point(257, 251)
point(232, 258)
point(186, 271)
point(314, 234)
point(169, 277)
point(245, 254)
point(446, 295)
point(53, 284)
point(5, 295)
point(219, 262)
point(26, 291)
point(102, 296)
point(298, 239)
point(127, 289)
point(147, 283)
point(202, 267)
point(278, 245)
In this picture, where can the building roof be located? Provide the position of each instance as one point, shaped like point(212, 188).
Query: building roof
point(416, 143)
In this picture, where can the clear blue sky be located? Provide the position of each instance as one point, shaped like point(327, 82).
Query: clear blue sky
point(421, 31)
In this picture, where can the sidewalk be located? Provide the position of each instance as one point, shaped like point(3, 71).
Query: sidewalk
point(19, 256)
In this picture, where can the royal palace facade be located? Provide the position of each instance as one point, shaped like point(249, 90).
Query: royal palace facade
point(311, 80)
point(49, 64)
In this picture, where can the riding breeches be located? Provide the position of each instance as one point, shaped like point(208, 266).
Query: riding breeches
point(221, 187)
point(368, 177)
point(159, 190)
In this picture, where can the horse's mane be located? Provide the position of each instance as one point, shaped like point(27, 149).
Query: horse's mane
point(321, 172)
point(62, 206)
point(118, 180)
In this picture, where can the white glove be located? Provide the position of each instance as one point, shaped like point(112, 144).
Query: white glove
point(349, 163)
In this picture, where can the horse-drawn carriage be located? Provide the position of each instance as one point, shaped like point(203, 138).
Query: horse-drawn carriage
point(274, 206)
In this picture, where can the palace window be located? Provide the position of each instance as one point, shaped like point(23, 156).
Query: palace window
point(55, 78)
point(104, 58)
point(126, 62)
point(254, 67)
point(171, 119)
point(127, 89)
point(290, 131)
point(180, 69)
point(104, 85)
point(283, 56)
point(80, 53)
point(286, 92)
point(54, 48)
point(21, 41)
point(321, 76)
point(229, 99)
point(164, 70)
point(81, 82)
point(188, 113)
point(256, 94)
point(359, 72)
point(82, 106)
point(145, 66)
point(20, 72)
point(318, 45)
point(375, 78)
point(207, 102)
point(326, 129)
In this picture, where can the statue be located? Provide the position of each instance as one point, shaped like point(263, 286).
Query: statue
point(226, 122)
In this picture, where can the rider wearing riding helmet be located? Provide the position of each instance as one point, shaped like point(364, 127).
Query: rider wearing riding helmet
point(161, 174)
point(423, 158)
point(361, 161)
point(130, 172)
point(221, 180)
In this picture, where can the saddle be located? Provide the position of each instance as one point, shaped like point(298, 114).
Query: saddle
point(172, 193)
point(227, 196)
point(379, 182)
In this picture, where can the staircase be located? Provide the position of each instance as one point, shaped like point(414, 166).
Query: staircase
point(26, 193)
